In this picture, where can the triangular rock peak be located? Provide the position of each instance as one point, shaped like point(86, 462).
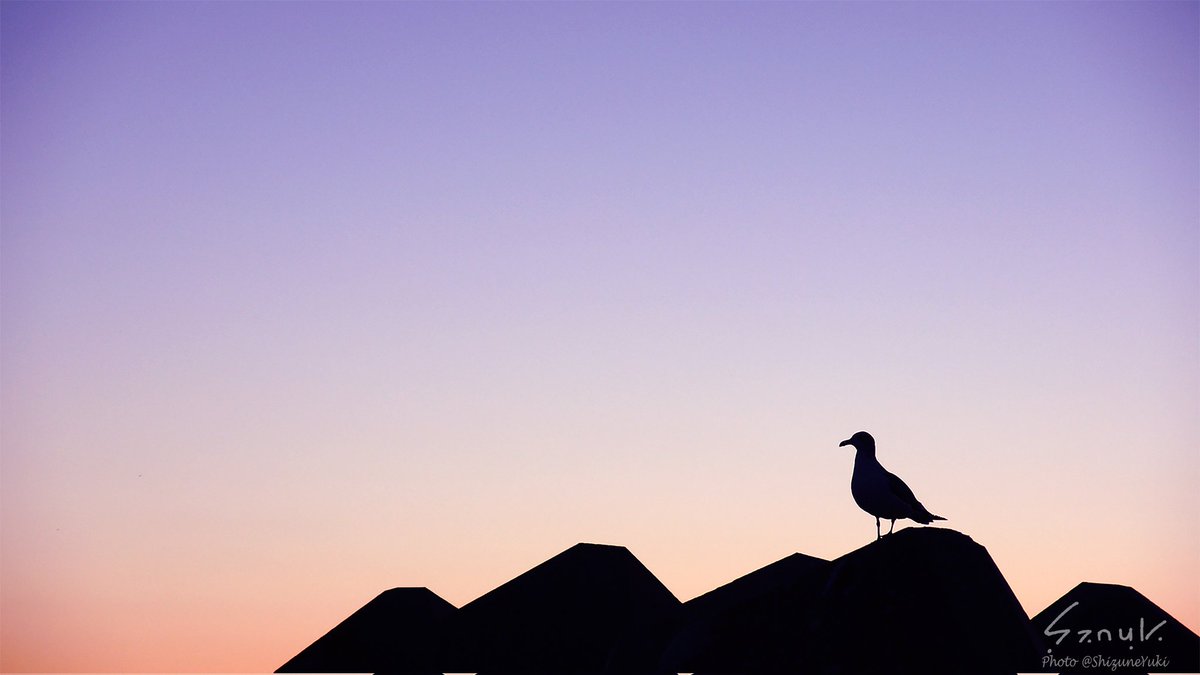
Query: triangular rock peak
point(1117, 629)
point(718, 630)
point(777, 577)
point(566, 615)
point(395, 632)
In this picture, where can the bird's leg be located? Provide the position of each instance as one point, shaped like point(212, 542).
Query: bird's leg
point(891, 526)
point(877, 535)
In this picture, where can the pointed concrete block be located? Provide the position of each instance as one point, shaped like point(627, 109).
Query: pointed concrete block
point(1117, 630)
point(394, 633)
point(567, 615)
point(719, 629)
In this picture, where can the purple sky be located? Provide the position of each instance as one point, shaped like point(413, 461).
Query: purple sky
point(302, 301)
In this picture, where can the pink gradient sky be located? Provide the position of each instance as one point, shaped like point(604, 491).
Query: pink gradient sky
point(306, 301)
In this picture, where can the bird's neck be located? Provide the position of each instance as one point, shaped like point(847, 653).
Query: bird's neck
point(864, 454)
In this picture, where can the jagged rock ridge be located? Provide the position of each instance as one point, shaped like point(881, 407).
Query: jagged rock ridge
point(923, 600)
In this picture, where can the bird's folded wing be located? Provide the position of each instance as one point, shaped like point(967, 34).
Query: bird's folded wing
point(902, 491)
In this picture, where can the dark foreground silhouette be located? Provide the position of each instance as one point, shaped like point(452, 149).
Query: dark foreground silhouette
point(1114, 629)
point(922, 600)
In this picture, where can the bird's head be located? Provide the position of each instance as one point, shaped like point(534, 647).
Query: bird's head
point(860, 441)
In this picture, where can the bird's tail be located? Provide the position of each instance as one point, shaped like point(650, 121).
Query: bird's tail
point(925, 517)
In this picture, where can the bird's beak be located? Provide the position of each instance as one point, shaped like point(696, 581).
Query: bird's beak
point(845, 442)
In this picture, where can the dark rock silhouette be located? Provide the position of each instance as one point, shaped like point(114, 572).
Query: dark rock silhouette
point(1117, 624)
point(921, 600)
point(718, 631)
point(395, 633)
point(567, 615)
point(925, 600)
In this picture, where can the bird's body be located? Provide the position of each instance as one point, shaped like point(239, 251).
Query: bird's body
point(880, 493)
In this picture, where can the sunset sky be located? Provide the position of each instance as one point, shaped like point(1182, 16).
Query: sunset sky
point(304, 301)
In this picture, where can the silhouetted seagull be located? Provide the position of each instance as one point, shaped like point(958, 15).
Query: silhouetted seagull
point(880, 493)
